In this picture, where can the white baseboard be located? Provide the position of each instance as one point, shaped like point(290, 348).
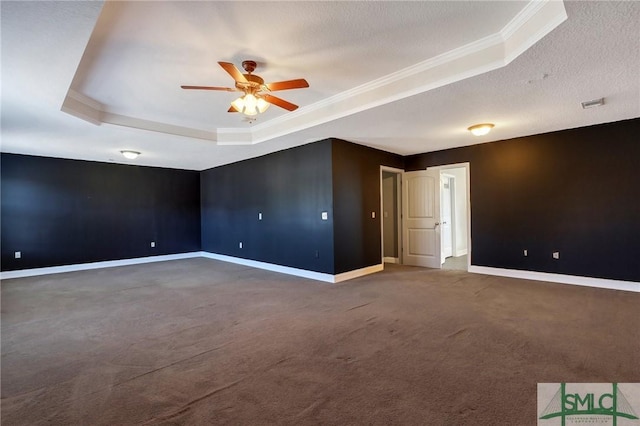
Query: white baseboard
point(94, 265)
point(558, 278)
point(387, 259)
point(461, 252)
point(318, 276)
point(358, 273)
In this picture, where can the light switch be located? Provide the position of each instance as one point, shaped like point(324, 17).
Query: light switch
point(373, 215)
point(259, 216)
point(325, 215)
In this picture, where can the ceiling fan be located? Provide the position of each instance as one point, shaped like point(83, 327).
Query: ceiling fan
point(257, 97)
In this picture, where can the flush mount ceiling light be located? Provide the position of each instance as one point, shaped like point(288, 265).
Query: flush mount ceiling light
point(593, 103)
point(481, 129)
point(131, 155)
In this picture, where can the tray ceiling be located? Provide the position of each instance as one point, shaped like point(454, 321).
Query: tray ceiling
point(406, 77)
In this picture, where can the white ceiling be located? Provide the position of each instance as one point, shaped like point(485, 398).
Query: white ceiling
point(406, 77)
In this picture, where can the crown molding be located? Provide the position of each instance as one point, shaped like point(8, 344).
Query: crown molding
point(154, 126)
point(83, 107)
point(532, 23)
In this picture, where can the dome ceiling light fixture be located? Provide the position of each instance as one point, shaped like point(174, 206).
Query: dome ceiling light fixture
point(129, 154)
point(481, 129)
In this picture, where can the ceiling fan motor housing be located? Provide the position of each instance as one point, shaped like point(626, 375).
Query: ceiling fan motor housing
point(254, 83)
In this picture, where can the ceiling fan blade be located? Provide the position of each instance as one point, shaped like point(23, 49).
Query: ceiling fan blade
point(289, 84)
point(279, 102)
point(233, 72)
point(225, 89)
point(232, 109)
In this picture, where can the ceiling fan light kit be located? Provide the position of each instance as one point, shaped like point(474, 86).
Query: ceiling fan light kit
point(250, 105)
point(481, 129)
point(257, 97)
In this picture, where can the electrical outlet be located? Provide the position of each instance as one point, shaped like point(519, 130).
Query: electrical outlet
point(525, 252)
point(240, 245)
point(18, 255)
point(556, 255)
point(153, 243)
point(259, 216)
point(325, 215)
point(373, 215)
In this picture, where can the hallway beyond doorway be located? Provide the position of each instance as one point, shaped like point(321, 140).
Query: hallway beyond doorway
point(456, 263)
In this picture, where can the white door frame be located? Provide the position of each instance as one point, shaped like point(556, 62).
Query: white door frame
point(443, 167)
point(452, 220)
point(466, 166)
point(398, 173)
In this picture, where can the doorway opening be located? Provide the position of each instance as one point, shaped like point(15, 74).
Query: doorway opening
point(391, 208)
point(454, 217)
point(426, 216)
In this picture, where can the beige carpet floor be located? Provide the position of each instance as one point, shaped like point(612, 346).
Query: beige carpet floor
point(199, 341)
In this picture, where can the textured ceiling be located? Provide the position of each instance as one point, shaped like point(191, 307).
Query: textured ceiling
point(406, 77)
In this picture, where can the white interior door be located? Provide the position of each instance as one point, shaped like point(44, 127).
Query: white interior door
point(421, 219)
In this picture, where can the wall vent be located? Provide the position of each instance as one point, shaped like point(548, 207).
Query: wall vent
point(592, 104)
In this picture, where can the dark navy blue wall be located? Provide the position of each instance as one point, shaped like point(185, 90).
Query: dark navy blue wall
point(291, 189)
point(574, 191)
point(356, 193)
point(61, 212)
